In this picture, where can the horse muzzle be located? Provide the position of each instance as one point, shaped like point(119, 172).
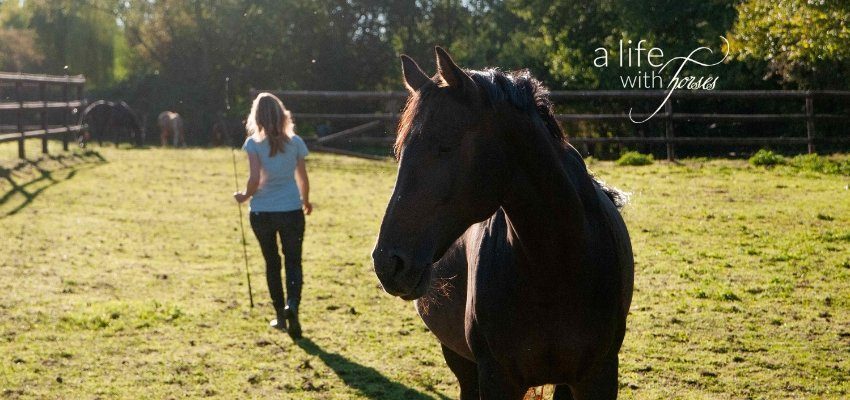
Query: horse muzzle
point(399, 275)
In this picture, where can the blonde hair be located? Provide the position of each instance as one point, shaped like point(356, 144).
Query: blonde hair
point(270, 116)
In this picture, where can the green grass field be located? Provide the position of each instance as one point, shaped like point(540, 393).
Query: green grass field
point(122, 277)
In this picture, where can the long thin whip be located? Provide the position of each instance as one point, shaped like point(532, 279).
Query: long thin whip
point(242, 228)
point(239, 206)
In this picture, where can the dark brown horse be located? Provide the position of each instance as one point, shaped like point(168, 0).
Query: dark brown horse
point(106, 117)
point(519, 259)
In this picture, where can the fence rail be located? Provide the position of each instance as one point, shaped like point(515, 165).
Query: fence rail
point(667, 115)
point(71, 98)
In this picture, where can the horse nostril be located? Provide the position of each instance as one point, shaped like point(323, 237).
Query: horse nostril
point(388, 263)
point(397, 264)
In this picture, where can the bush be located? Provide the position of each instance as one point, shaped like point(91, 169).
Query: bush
point(635, 158)
point(803, 162)
point(766, 158)
point(816, 163)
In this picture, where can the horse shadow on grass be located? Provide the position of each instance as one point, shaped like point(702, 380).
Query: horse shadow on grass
point(366, 380)
point(42, 173)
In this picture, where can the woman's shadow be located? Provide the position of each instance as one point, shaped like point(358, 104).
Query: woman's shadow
point(366, 380)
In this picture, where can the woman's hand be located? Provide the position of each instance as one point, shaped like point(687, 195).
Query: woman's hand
point(303, 183)
point(240, 197)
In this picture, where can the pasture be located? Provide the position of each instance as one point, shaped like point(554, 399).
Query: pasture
point(122, 277)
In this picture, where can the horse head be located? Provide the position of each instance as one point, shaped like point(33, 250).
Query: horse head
point(450, 174)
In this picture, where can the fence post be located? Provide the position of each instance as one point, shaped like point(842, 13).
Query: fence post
point(668, 116)
point(810, 121)
point(42, 92)
point(80, 98)
point(19, 114)
point(66, 113)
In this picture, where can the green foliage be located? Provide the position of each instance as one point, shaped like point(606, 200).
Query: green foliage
point(569, 32)
point(13, 15)
point(176, 55)
point(803, 42)
point(635, 158)
point(820, 164)
point(766, 158)
point(803, 162)
point(18, 51)
point(68, 37)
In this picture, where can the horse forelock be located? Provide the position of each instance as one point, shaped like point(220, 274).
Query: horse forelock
point(405, 124)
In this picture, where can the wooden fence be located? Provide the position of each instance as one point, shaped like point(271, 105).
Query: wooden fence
point(670, 118)
point(59, 95)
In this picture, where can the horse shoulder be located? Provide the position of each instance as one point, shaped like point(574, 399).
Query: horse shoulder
point(622, 249)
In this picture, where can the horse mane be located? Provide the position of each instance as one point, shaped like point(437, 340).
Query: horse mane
point(521, 90)
point(517, 88)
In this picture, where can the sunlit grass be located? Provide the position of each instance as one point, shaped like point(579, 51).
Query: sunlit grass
point(122, 276)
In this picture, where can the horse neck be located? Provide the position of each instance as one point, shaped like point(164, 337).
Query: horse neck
point(544, 209)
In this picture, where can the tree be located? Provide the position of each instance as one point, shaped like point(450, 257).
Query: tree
point(569, 32)
point(18, 49)
point(75, 35)
point(804, 43)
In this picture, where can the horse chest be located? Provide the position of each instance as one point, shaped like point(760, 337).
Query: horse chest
point(511, 321)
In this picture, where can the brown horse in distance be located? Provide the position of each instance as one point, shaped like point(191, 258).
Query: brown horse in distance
point(518, 258)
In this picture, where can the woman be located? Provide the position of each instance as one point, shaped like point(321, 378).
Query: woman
point(280, 196)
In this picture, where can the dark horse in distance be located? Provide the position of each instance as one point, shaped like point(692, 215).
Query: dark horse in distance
point(106, 117)
point(518, 257)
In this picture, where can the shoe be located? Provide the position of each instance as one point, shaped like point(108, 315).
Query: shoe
point(279, 323)
point(294, 330)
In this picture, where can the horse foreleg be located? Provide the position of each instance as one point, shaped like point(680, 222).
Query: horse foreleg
point(562, 392)
point(113, 130)
point(602, 385)
point(466, 372)
point(494, 383)
point(102, 135)
point(100, 132)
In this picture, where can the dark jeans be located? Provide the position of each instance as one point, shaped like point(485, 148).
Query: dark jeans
point(289, 225)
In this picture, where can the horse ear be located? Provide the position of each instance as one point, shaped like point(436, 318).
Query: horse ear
point(414, 78)
point(450, 73)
